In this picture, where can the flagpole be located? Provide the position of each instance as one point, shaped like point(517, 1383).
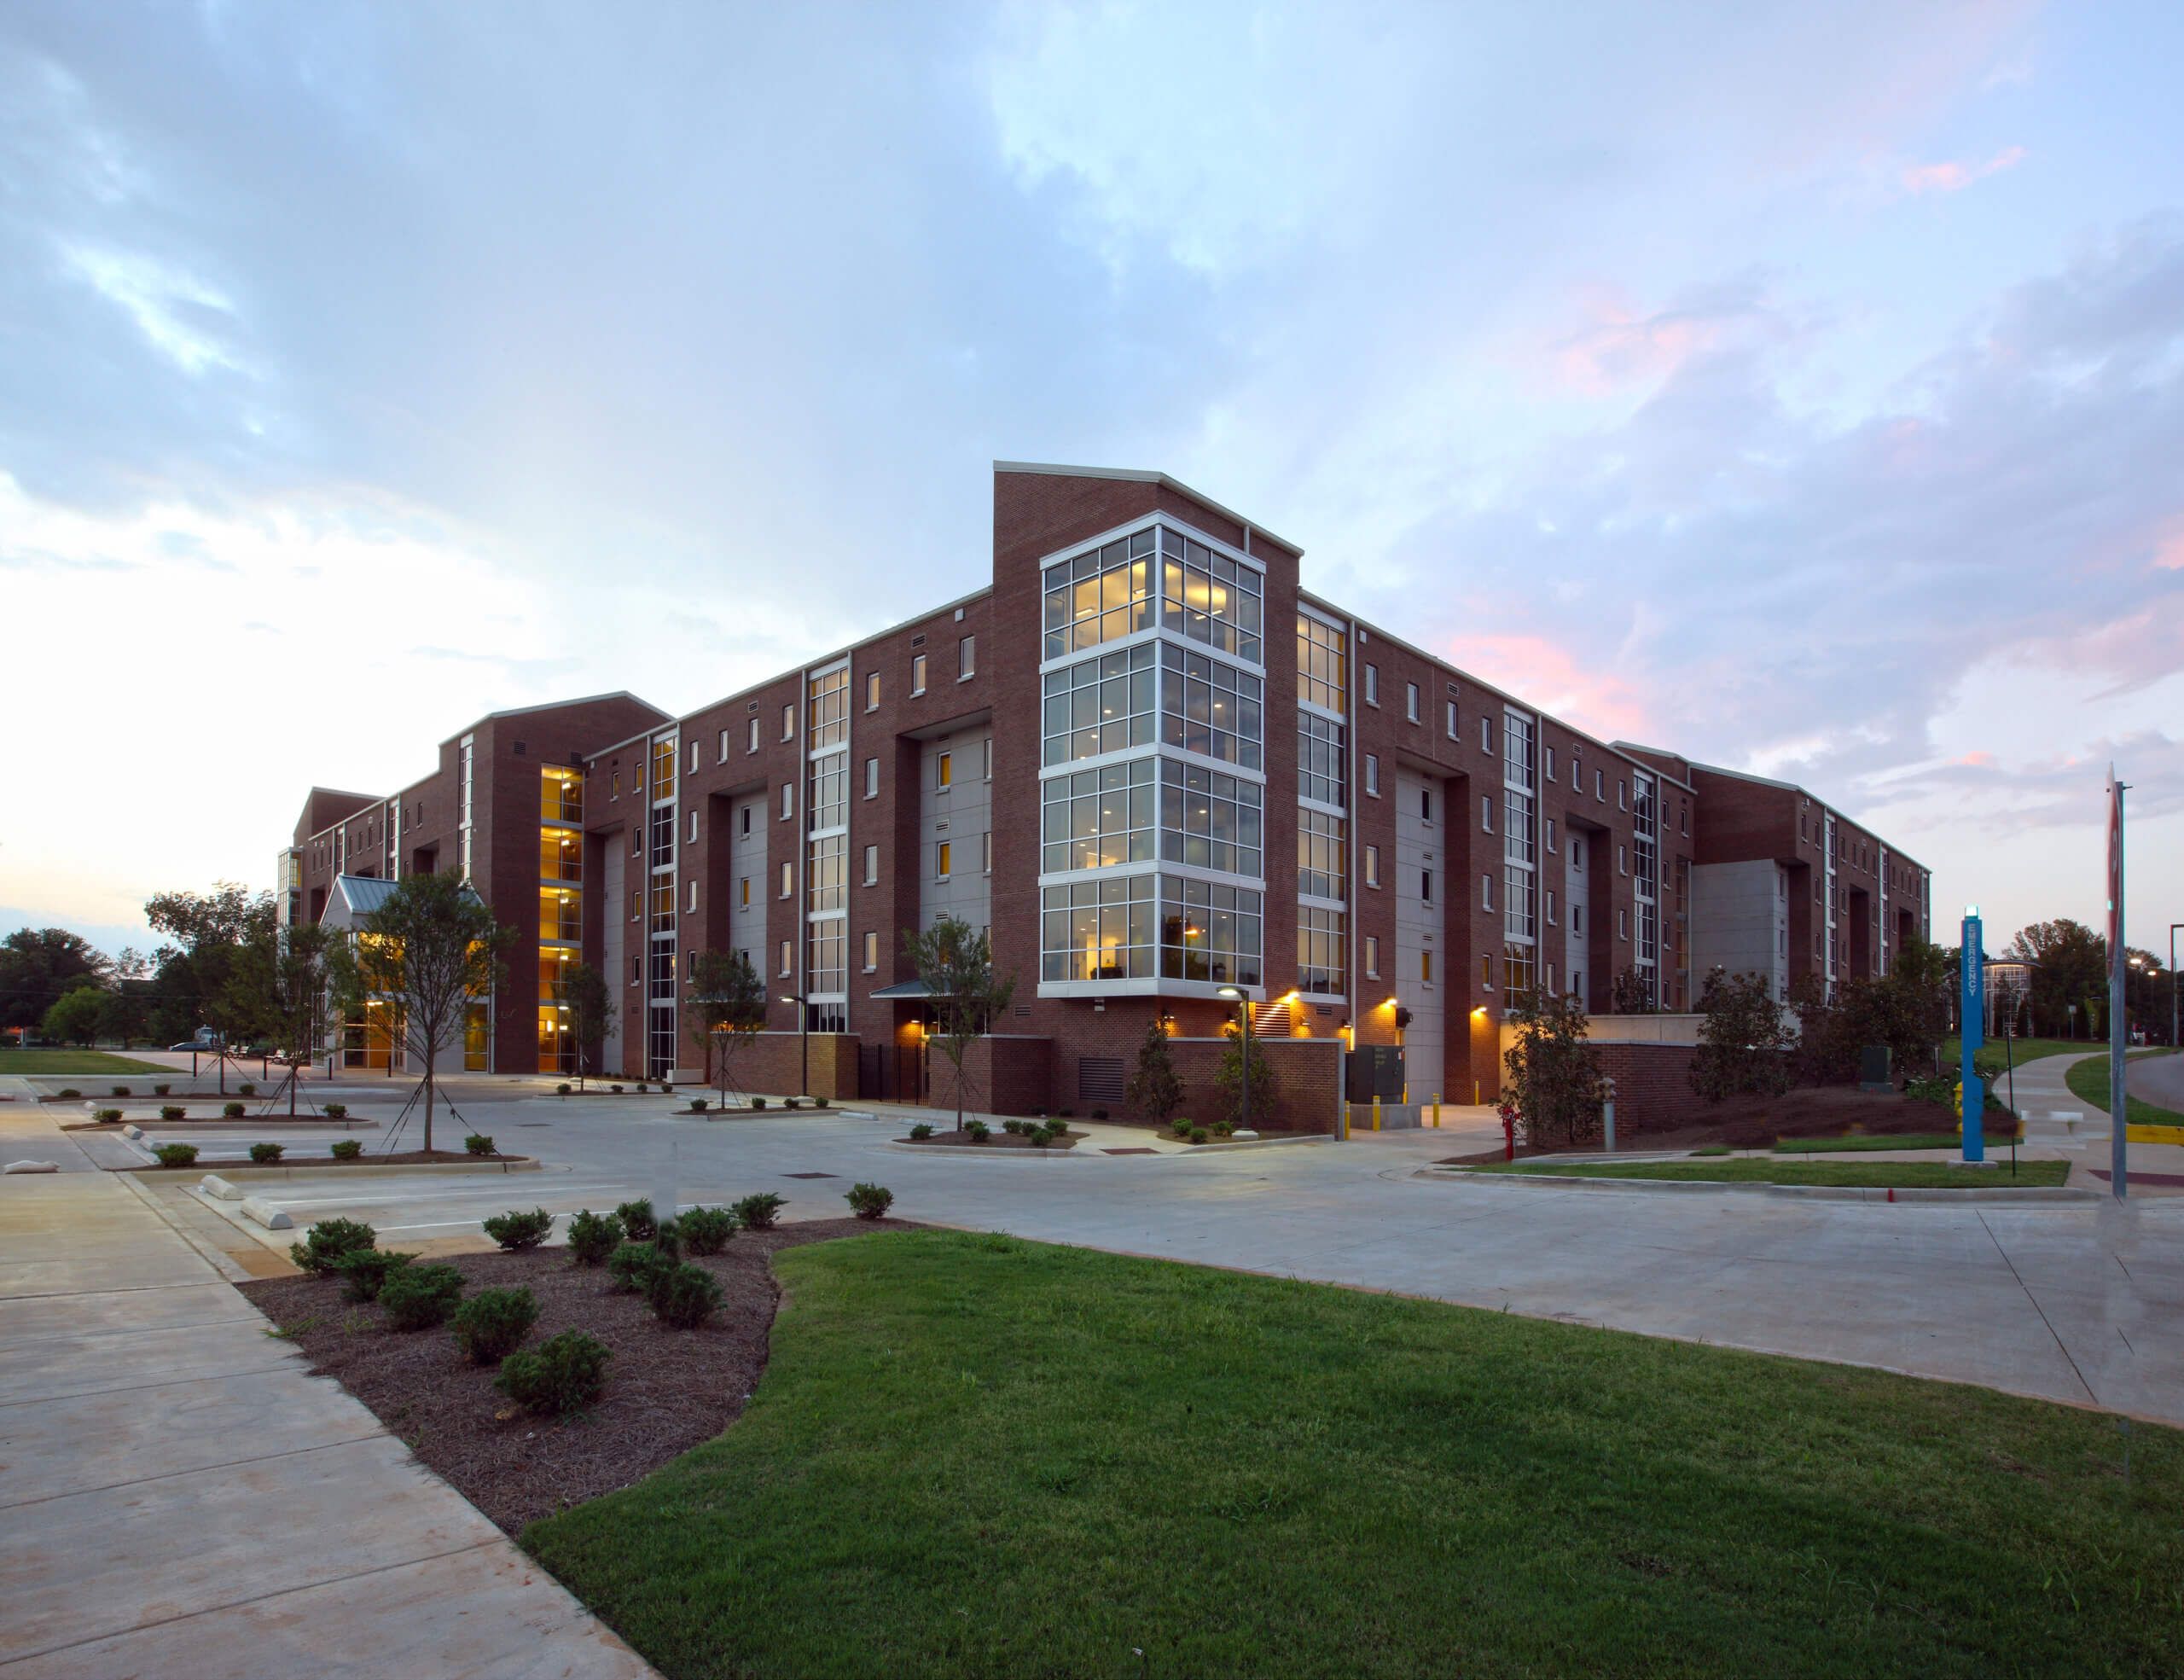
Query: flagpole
point(2119, 1102)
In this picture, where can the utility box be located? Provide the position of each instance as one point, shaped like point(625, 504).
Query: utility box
point(1376, 1070)
point(1874, 1071)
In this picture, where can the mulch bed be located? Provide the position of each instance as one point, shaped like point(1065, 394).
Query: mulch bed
point(997, 1140)
point(402, 1158)
point(1759, 1122)
point(666, 1390)
point(330, 1125)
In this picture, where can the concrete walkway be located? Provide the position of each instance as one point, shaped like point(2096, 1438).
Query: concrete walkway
point(179, 1496)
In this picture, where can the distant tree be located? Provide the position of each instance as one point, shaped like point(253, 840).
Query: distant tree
point(430, 948)
point(74, 1019)
point(1555, 1081)
point(2070, 964)
point(1828, 1051)
point(218, 963)
point(725, 1010)
point(1630, 993)
point(956, 962)
point(591, 1014)
point(39, 965)
point(1746, 1042)
point(299, 977)
point(1154, 1090)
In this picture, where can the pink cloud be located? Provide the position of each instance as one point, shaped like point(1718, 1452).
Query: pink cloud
point(1953, 177)
point(1622, 345)
point(1547, 674)
point(2169, 552)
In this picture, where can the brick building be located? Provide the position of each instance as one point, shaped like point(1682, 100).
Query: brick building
point(1153, 766)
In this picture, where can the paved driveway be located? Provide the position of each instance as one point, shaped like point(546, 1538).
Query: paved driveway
point(2077, 1302)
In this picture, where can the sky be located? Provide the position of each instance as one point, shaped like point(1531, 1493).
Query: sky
point(1800, 388)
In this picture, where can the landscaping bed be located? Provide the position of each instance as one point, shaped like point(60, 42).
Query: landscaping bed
point(997, 1139)
point(351, 1122)
point(1851, 1175)
point(402, 1157)
point(666, 1390)
point(1812, 1111)
point(975, 1454)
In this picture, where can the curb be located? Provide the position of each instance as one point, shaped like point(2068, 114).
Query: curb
point(2051, 1194)
point(262, 1213)
point(230, 1170)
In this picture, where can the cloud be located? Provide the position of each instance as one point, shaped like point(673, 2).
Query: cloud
point(187, 321)
point(1955, 177)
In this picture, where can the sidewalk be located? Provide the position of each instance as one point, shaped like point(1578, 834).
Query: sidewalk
point(183, 1498)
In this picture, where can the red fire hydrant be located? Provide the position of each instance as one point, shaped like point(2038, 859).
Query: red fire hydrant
point(1508, 1133)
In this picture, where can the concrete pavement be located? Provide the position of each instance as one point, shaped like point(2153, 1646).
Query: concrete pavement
point(2077, 1302)
point(181, 1497)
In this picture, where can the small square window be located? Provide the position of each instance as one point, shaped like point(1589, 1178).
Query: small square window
point(1425, 886)
point(871, 953)
point(1426, 967)
point(966, 659)
point(751, 734)
point(1450, 723)
point(694, 827)
point(1550, 836)
point(1486, 891)
point(872, 691)
point(1486, 813)
point(1373, 775)
point(743, 891)
point(917, 673)
point(872, 866)
point(690, 898)
point(1372, 958)
point(788, 957)
point(788, 723)
point(1372, 685)
point(1410, 701)
point(1372, 866)
point(1486, 736)
point(986, 851)
point(944, 857)
point(986, 758)
point(943, 772)
point(872, 778)
point(788, 878)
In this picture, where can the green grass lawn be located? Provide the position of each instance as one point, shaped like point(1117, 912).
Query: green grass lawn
point(42, 1063)
point(2023, 1049)
point(975, 1455)
point(1864, 1143)
point(1861, 1175)
point(2089, 1080)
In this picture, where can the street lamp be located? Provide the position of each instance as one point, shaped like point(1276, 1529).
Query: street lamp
point(1244, 1026)
point(2173, 1022)
point(803, 1041)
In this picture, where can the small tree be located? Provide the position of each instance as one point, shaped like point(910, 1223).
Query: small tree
point(1154, 1089)
point(1630, 993)
point(1555, 1081)
point(956, 962)
point(1826, 1049)
point(591, 1013)
point(430, 947)
point(725, 1010)
point(1745, 1043)
point(210, 972)
point(1228, 1077)
point(74, 1019)
point(301, 978)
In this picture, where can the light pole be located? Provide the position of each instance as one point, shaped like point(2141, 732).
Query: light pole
point(1243, 1026)
point(803, 1041)
point(2173, 1021)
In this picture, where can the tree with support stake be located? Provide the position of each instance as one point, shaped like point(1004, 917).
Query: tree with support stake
point(591, 1009)
point(299, 977)
point(956, 962)
point(725, 1010)
point(429, 949)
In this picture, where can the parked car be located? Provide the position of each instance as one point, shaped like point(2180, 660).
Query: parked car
point(206, 1044)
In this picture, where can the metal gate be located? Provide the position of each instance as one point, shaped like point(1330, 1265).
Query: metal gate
point(890, 1073)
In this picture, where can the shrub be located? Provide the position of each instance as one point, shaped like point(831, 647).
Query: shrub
point(706, 1230)
point(171, 1110)
point(617, 1090)
point(1016, 1128)
point(119, 1091)
point(337, 1111)
point(869, 1201)
point(697, 1104)
point(347, 1149)
point(161, 1091)
point(1198, 1134)
point(328, 1240)
point(1940, 1088)
point(668, 1239)
point(68, 1094)
point(1223, 1128)
point(792, 1102)
point(493, 1323)
point(109, 1115)
point(642, 1086)
point(977, 1130)
point(417, 1298)
point(921, 1130)
point(516, 1230)
point(1067, 1113)
point(176, 1154)
point(563, 1374)
point(758, 1213)
point(248, 1088)
point(638, 1220)
point(563, 1089)
point(477, 1143)
point(818, 1102)
point(685, 1296)
point(1182, 1124)
point(1099, 1113)
point(593, 1237)
point(758, 1102)
point(634, 1264)
point(364, 1271)
point(233, 1110)
point(266, 1153)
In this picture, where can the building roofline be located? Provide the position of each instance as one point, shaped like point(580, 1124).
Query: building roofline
point(553, 705)
point(1147, 475)
point(1799, 787)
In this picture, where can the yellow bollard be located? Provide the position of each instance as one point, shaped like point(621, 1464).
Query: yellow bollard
point(1345, 1121)
point(1437, 1109)
point(1376, 1111)
point(1474, 1093)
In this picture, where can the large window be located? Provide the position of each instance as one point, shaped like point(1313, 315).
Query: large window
point(1110, 591)
point(561, 794)
point(1209, 932)
point(829, 966)
point(829, 698)
point(1099, 706)
point(560, 913)
point(830, 791)
point(1321, 653)
point(1319, 759)
point(1211, 707)
point(1322, 858)
point(1098, 818)
point(1098, 930)
point(1210, 820)
point(663, 769)
point(826, 878)
point(663, 836)
point(561, 854)
point(1320, 945)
